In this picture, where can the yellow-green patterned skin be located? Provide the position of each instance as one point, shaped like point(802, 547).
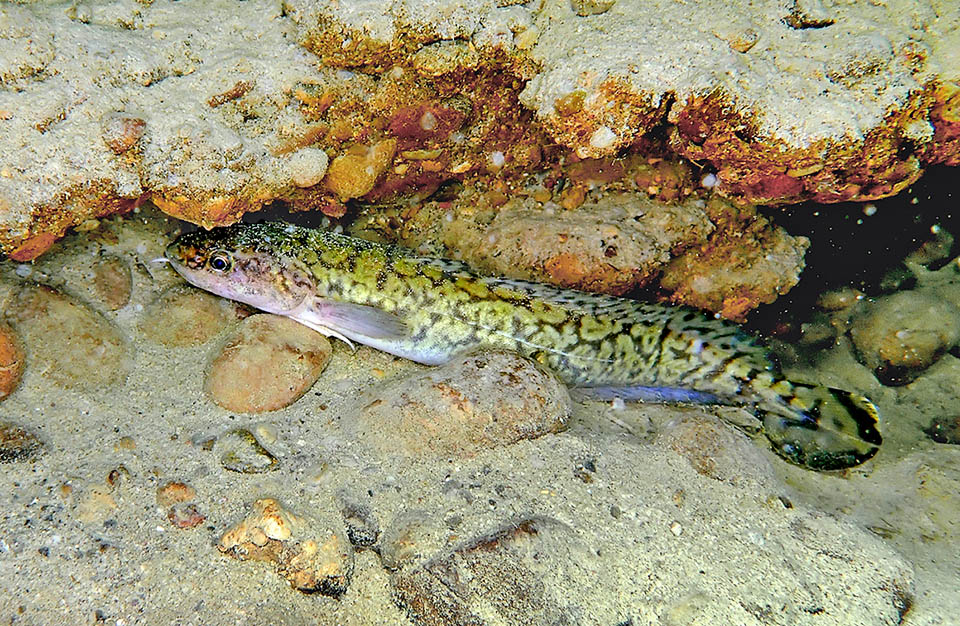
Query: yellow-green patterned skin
point(604, 345)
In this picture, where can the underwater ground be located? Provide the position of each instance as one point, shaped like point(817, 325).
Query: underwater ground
point(171, 457)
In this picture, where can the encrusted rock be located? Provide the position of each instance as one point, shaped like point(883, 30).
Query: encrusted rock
point(314, 557)
point(900, 335)
point(611, 246)
point(747, 261)
point(267, 363)
point(68, 342)
point(354, 173)
point(481, 400)
point(866, 95)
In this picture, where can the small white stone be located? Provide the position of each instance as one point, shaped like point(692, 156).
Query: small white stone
point(428, 121)
point(709, 181)
point(497, 159)
point(602, 138)
point(307, 166)
point(676, 528)
point(23, 270)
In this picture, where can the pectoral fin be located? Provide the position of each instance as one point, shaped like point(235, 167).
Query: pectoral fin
point(346, 319)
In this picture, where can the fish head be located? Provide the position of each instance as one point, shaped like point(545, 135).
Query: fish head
point(233, 262)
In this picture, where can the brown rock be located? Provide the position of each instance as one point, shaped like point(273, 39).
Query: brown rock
point(477, 401)
point(313, 557)
point(11, 361)
point(267, 364)
point(183, 316)
point(69, 343)
point(174, 492)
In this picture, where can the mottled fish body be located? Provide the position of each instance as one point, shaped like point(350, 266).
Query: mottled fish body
point(428, 310)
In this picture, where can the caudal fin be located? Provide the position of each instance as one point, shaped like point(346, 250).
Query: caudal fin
point(822, 428)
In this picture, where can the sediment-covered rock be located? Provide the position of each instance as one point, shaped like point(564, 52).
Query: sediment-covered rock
point(478, 401)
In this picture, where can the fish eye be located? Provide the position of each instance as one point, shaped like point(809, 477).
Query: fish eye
point(219, 262)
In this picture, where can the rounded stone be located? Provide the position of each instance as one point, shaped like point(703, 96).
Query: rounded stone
point(307, 166)
point(266, 364)
point(481, 400)
point(183, 316)
point(900, 335)
point(68, 342)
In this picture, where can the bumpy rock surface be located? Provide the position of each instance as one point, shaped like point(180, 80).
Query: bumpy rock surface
point(214, 108)
point(707, 254)
point(311, 556)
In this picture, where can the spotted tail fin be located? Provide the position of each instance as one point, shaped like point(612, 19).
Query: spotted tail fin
point(822, 428)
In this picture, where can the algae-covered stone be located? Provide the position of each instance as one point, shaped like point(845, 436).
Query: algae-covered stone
point(477, 401)
point(18, 443)
point(267, 364)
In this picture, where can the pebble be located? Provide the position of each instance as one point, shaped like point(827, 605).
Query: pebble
point(121, 131)
point(306, 166)
point(11, 361)
point(112, 282)
point(900, 335)
point(481, 400)
point(69, 343)
point(585, 8)
point(314, 556)
point(185, 515)
point(267, 363)
point(241, 451)
point(183, 316)
point(18, 443)
point(175, 492)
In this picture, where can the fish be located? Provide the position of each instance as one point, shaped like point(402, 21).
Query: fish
point(429, 309)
